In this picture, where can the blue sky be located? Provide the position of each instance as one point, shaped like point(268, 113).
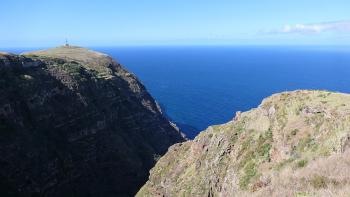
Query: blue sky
point(42, 23)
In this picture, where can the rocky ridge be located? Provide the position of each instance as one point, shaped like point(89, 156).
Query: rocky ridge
point(74, 122)
point(294, 144)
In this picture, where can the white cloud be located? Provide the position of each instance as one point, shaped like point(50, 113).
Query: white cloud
point(336, 26)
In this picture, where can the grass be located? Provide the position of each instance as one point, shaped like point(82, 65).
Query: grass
point(239, 126)
point(265, 151)
point(283, 163)
point(249, 155)
point(303, 172)
point(304, 143)
point(249, 172)
point(253, 153)
point(77, 71)
point(319, 182)
point(244, 146)
point(282, 116)
point(301, 163)
point(72, 68)
point(264, 145)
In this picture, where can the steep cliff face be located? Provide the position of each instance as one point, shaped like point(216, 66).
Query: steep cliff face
point(74, 122)
point(293, 144)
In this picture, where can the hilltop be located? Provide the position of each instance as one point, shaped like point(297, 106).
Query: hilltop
point(294, 144)
point(74, 122)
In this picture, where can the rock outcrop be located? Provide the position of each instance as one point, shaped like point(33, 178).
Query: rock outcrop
point(294, 144)
point(74, 122)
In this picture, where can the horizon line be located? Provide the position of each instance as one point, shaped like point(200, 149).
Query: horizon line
point(182, 45)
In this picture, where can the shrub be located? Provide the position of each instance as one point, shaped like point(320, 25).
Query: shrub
point(301, 163)
point(319, 182)
point(295, 131)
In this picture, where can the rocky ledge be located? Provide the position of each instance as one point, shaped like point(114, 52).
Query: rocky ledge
point(74, 122)
point(294, 144)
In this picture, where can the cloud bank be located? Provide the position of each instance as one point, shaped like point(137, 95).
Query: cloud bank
point(336, 26)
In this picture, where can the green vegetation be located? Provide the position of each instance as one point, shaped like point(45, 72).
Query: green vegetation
point(77, 71)
point(319, 182)
point(72, 68)
point(276, 149)
point(264, 145)
point(239, 126)
point(281, 116)
point(304, 143)
point(249, 172)
point(254, 153)
point(244, 147)
point(265, 151)
point(302, 163)
point(283, 163)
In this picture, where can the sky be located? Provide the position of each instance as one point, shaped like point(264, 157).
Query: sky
point(42, 23)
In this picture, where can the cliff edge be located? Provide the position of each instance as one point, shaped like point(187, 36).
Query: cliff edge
point(74, 122)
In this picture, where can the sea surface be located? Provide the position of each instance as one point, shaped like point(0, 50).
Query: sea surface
point(205, 85)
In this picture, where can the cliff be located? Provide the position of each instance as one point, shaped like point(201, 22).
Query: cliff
point(74, 122)
point(293, 144)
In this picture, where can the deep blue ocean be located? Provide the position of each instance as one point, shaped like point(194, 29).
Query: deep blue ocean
point(202, 86)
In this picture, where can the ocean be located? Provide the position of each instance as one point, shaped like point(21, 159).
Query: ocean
point(205, 85)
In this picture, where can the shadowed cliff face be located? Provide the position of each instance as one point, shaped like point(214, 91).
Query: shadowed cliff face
point(294, 144)
point(73, 122)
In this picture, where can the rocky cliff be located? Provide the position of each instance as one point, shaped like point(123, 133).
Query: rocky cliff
point(293, 144)
point(74, 122)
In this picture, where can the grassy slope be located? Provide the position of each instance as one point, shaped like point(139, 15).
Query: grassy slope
point(290, 145)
